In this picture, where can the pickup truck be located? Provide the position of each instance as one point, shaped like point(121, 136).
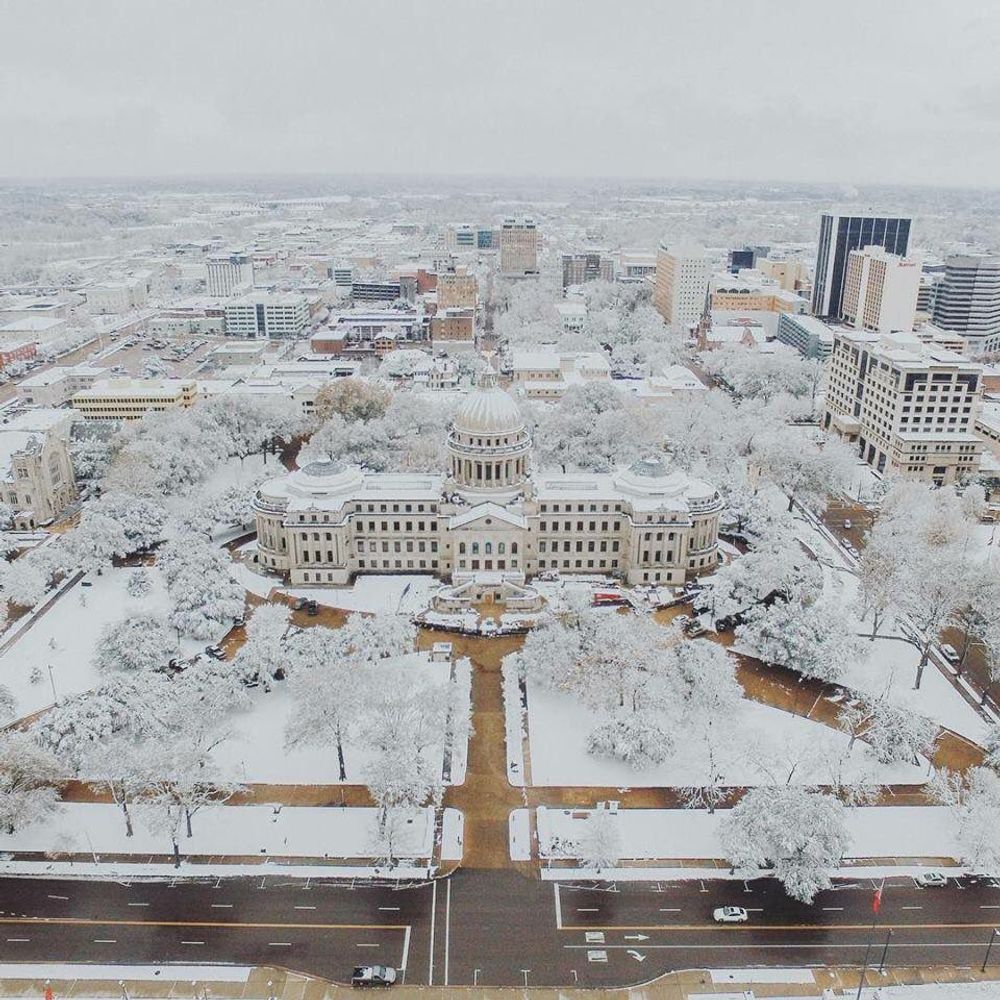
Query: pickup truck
point(373, 975)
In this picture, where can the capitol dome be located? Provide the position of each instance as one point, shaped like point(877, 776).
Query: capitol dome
point(488, 410)
point(488, 443)
point(322, 478)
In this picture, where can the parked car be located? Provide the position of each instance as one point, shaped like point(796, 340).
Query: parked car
point(730, 915)
point(216, 652)
point(312, 608)
point(300, 604)
point(932, 880)
point(694, 628)
point(847, 523)
point(239, 621)
point(949, 652)
point(373, 975)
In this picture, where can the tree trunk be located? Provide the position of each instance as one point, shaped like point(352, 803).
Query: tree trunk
point(340, 759)
point(966, 646)
point(128, 815)
point(187, 819)
point(924, 656)
point(791, 502)
point(177, 853)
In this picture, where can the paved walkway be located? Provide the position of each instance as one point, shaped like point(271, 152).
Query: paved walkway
point(281, 984)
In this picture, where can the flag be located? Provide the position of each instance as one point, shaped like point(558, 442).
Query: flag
point(877, 900)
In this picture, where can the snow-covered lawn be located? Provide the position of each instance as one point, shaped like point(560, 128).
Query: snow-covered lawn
point(394, 594)
point(558, 726)
point(654, 834)
point(258, 831)
point(892, 664)
point(65, 636)
point(257, 753)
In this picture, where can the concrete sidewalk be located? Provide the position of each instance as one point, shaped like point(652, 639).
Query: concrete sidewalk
point(264, 982)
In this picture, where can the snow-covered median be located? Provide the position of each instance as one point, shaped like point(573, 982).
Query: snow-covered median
point(682, 835)
point(299, 835)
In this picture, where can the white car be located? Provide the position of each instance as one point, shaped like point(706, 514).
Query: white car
point(950, 653)
point(730, 915)
point(932, 880)
point(847, 523)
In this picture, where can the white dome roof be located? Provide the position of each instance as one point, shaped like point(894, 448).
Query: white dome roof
point(489, 410)
point(323, 478)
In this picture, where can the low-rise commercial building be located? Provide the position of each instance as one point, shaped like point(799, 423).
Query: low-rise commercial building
point(810, 336)
point(278, 316)
point(133, 398)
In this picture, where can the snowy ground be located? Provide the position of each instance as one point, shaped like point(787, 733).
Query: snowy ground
point(558, 726)
point(651, 834)
point(394, 594)
point(258, 831)
point(257, 753)
point(65, 636)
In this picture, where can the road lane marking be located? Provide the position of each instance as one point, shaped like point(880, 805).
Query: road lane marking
point(989, 907)
point(587, 909)
point(555, 890)
point(279, 944)
point(859, 945)
point(387, 908)
point(17, 940)
point(366, 945)
point(57, 897)
point(911, 907)
point(222, 906)
point(105, 941)
point(263, 925)
point(670, 909)
point(192, 942)
point(730, 928)
point(138, 904)
point(305, 907)
point(831, 909)
point(434, 899)
point(447, 929)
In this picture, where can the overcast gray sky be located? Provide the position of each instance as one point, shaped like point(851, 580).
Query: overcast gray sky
point(895, 91)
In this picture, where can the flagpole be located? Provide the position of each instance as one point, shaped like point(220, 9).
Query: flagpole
point(876, 906)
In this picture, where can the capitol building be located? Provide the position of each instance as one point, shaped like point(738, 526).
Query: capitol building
point(489, 517)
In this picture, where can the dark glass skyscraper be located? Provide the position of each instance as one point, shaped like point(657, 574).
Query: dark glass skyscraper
point(838, 236)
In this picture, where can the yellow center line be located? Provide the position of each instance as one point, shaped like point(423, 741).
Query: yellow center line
point(764, 927)
point(85, 921)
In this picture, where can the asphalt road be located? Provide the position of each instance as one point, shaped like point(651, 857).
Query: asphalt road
point(491, 928)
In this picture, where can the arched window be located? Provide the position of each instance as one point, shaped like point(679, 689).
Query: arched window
point(461, 548)
point(501, 548)
point(475, 548)
point(489, 548)
point(513, 548)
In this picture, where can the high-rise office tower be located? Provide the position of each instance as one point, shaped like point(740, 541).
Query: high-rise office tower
point(880, 291)
point(518, 247)
point(590, 265)
point(968, 300)
point(229, 274)
point(681, 288)
point(838, 236)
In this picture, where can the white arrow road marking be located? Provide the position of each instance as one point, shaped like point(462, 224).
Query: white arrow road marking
point(636, 937)
point(637, 956)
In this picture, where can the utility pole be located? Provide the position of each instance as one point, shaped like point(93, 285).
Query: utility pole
point(989, 948)
point(876, 906)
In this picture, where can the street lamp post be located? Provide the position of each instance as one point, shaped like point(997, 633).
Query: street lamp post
point(52, 681)
point(989, 948)
point(885, 951)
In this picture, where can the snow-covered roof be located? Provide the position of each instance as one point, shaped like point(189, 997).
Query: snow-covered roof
point(488, 410)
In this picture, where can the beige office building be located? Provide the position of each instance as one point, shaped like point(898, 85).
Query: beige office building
point(519, 239)
point(880, 291)
point(456, 291)
point(681, 289)
point(133, 398)
point(908, 407)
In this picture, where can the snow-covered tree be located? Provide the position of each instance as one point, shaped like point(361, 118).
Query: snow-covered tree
point(353, 399)
point(329, 693)
point(805, 470)
point(979, 606)
point(23, 582)
point(246, 424)
point(815, 640)
point(600, 843)
point(141, 518)
point(137, 643)
point(91, 452)
point(879, 580)
point(367, 638)
point(139, 584)
point(900, 735)
point(550, 654)
point(974, 798)
point(264, 656)
point(28, 775)
point(8, 705)
point(799, 834)
point(203, 591)
point(928, 608)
